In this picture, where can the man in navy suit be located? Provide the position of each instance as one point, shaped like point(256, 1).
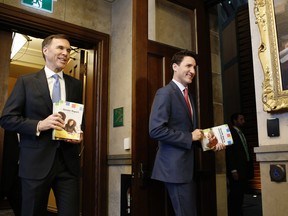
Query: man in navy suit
point(45, 163)
point(239, 166)
point(174, 124)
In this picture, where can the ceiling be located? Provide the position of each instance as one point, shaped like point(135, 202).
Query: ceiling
point(29, 58)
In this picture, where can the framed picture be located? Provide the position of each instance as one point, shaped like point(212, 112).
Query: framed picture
point(272, 20)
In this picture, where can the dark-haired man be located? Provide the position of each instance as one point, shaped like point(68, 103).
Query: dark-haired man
point(173, 122)
point(239, 166)
point(45, 163)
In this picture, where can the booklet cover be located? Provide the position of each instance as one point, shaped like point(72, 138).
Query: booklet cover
point(222, 135)
point(72, 114)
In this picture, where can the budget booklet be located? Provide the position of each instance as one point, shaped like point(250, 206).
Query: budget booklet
point(72, 114)
point(221, 134)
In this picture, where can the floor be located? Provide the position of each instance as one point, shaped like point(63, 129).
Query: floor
point(9, 212)
point(252, 207)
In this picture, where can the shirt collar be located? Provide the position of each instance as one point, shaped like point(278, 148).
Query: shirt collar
point(180, 85)
point(49, 73)
point(236, 128)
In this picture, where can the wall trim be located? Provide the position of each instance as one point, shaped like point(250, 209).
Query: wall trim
point(272, 153)
point(121, 159)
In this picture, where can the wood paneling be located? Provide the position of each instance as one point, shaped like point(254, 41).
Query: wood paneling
point(5, 44)
point(247, 87)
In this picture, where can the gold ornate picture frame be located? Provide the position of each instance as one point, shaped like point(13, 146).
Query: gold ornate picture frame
point(272, 20)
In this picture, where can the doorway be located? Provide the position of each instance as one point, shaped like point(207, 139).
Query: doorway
point(94, 199)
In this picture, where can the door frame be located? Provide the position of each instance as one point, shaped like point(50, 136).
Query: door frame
point(204, 168)
point(94, 200)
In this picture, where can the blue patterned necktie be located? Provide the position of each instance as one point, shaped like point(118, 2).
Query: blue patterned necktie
point(56, 93)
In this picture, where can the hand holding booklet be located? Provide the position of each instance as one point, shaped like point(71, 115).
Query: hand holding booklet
point(215, 135)
point(72, 114)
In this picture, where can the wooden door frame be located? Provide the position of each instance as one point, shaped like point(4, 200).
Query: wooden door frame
point(139, 103)
point(94, 201)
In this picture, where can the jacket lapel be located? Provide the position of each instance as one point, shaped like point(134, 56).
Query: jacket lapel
point(194, 117)
point(182, 99)
point(42, 86)
point(68, 87)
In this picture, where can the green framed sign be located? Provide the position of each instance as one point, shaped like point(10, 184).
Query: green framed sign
point(44, 5)
point(118, 117)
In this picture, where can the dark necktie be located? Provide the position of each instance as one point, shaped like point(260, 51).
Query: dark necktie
point(244, 142)
point(187, 101)
point(56, 93)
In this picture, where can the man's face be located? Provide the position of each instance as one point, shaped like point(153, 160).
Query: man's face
point(57, 54)
point(185, 71)
point(240, 121)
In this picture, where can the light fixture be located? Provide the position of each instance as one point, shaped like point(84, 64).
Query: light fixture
point(18, 41)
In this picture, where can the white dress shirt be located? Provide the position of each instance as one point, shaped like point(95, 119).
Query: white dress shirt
point(49, 75)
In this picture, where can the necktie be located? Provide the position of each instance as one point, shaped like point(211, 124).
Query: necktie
point(244, 142)
point(56, 93)
point(187, 101)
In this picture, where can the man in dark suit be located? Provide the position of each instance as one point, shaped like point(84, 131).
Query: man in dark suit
point(173, 123)
point(239, 166)
point(45, 163)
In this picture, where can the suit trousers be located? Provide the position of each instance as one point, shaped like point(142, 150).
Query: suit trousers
point(35, 193)
point(183, 198)
point(236, 197)
point(14, 197)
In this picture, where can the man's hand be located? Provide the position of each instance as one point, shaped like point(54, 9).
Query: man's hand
point(197, 135)
point(75, 141)
point(53, 121)
point(219, 147)
point(235, 176)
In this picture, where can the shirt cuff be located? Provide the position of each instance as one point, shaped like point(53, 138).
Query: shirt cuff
point(37, 130)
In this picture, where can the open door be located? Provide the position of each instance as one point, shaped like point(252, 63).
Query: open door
point(76, 67)
point(150, 70)
point(149, 197)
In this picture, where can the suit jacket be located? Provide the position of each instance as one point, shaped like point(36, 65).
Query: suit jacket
point(28, 103)
point(236, 158)
point(171, 125)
